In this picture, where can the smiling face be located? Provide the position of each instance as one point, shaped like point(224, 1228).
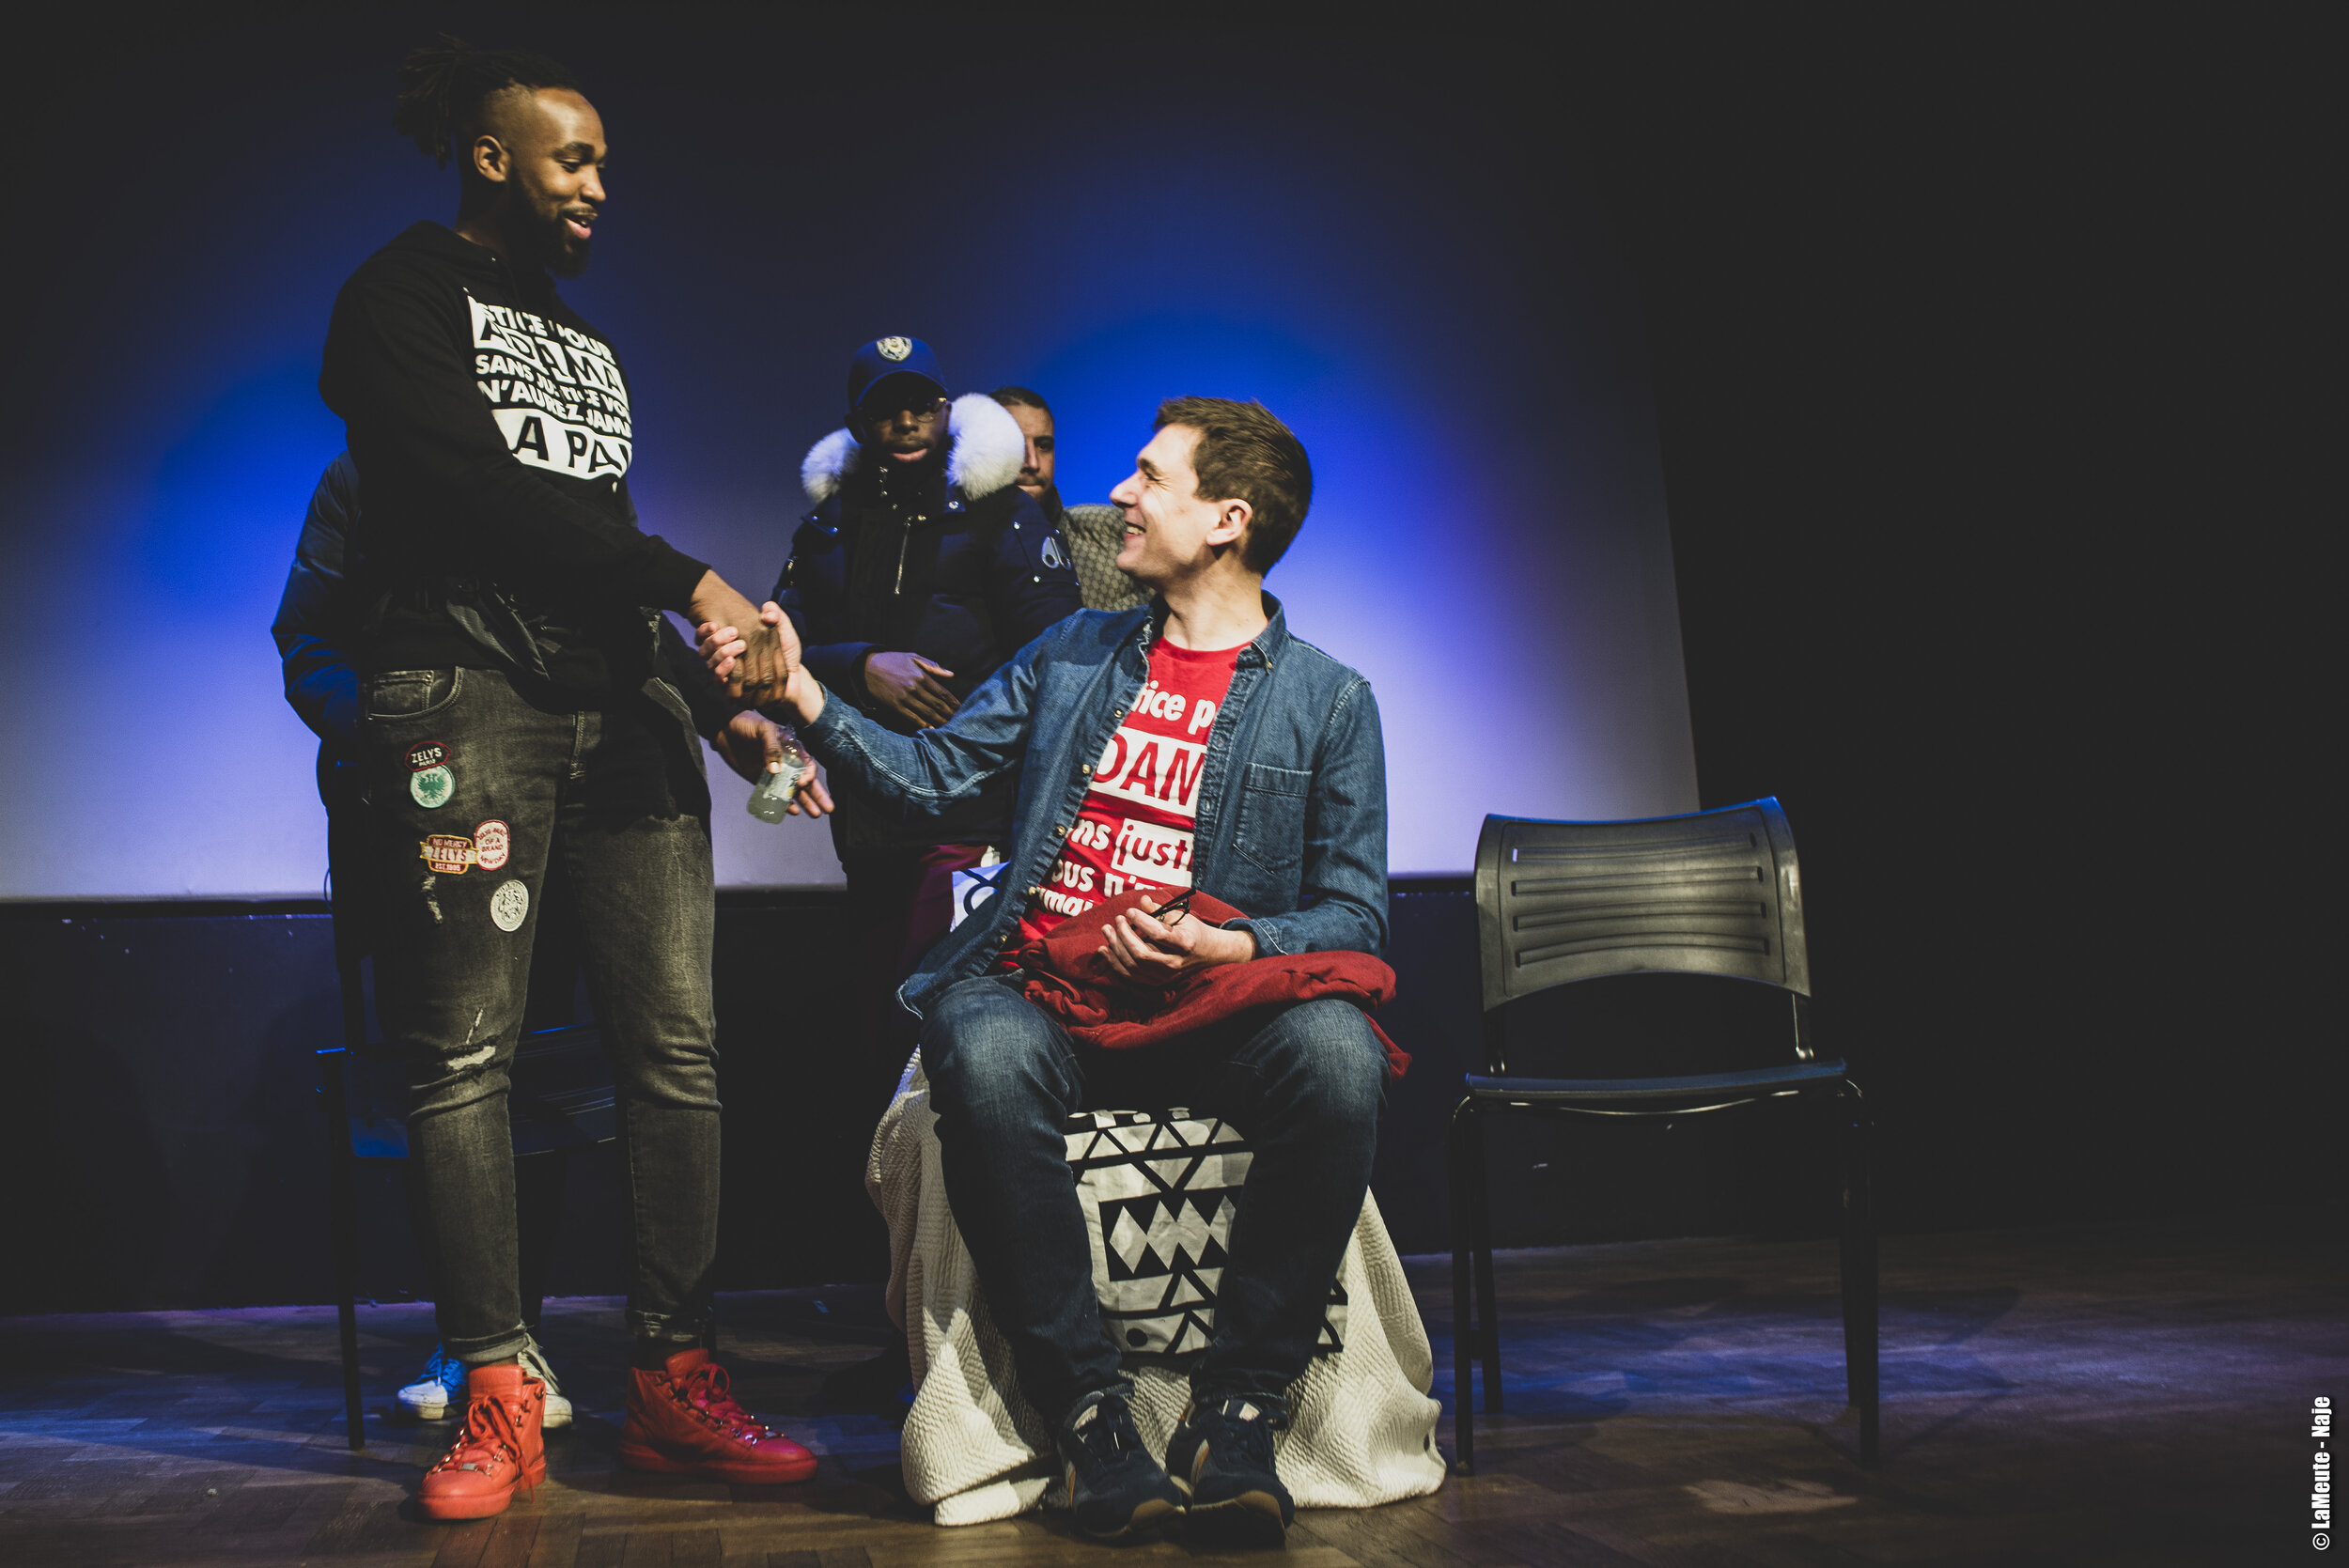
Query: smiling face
point(542, 150)
point(1171, 533)
point(1035, 461)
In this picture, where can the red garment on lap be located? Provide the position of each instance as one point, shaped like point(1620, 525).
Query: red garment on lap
point(1067, 980)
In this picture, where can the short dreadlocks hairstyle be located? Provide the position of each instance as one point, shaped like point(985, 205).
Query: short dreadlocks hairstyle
point(1246, 454)
point(442, 90)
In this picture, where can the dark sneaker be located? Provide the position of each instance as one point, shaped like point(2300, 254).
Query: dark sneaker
point(1221, 1458)
point(1114, 1487)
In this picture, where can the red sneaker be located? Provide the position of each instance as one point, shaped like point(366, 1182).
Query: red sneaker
point(682, 1421)
point(499, 1448)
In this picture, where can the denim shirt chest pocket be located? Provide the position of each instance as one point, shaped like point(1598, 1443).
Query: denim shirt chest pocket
point(1270, 831)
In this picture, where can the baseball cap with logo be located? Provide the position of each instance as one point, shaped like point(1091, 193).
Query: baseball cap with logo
point(905, 363)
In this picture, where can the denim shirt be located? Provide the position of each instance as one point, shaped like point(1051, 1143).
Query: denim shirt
point(1292, 823)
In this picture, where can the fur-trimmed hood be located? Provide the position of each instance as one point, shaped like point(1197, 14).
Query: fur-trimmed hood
point(983, 458)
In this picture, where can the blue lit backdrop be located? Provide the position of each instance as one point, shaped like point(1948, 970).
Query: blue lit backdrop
point(1458, 345)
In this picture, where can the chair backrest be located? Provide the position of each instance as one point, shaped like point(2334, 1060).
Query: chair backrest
point(1714, 892)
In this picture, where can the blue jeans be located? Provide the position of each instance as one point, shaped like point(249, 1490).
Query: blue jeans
point(1306, 1086)
point(613, 798)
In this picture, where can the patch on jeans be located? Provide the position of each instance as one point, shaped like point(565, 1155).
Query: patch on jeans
point(429, 782)
point(446, 853)
point(432, 787)
point(493, 842)
point(510, 905)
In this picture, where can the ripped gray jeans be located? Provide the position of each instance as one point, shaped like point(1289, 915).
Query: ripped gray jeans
point(476, 788)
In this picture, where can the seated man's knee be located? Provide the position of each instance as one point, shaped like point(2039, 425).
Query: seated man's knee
point(983, 1047)
point(1328, 1049)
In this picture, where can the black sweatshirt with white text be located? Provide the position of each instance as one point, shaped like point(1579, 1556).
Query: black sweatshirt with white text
point(493, 425)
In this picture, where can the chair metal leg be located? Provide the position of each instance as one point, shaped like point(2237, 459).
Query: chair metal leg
point(1460, 1146)
point(539, 1182)
point(342, 1205)
point(342, 1193)
point(1481, 1240)
point(1858, 1248)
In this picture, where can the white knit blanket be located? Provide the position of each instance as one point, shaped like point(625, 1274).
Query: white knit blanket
point(1362, 1430)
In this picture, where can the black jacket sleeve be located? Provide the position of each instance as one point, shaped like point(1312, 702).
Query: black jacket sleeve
point(313, 628)
point(1031, 591)
point(682, 668)
point(396, 372)
point(832, 658)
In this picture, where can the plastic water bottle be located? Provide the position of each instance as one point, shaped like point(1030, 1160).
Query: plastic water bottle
point(770, 801)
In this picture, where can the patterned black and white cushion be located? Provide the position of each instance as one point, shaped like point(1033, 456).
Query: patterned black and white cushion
point(1160, 1190)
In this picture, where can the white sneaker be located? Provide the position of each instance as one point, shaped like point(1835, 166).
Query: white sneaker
point(557, 1410)
point(441, 1385)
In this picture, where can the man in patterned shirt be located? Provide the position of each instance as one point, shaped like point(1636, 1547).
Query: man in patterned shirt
point(1095, 534)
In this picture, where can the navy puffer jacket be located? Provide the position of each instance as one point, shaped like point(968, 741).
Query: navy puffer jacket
point(966, 576)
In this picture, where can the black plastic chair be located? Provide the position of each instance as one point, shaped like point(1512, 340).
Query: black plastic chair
point(1717, 892)
point(561, 1097)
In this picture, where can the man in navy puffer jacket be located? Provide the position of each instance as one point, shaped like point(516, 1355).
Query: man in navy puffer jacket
point(920, 568)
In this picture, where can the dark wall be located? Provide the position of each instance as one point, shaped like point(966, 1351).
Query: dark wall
point(165, 1143)
point(1987, 360)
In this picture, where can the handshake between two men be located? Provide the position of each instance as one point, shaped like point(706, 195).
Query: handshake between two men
point(760, 664)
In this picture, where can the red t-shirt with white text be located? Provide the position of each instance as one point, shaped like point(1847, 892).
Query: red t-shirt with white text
point(1134, 832)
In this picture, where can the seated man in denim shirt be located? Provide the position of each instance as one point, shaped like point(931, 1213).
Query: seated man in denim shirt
point(1190, 742)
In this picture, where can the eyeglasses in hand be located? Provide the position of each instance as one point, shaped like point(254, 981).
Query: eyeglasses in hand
point(1172, 912)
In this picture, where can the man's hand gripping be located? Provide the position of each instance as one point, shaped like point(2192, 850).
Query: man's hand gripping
point(1158, 944)
point(728, 648)
point(911, 685)
point(765, 652)
point(755, 746)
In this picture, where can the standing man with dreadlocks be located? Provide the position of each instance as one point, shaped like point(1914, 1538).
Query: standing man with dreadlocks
point(513, 721)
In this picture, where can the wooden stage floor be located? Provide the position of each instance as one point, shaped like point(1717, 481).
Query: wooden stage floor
point(2125, 1393)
